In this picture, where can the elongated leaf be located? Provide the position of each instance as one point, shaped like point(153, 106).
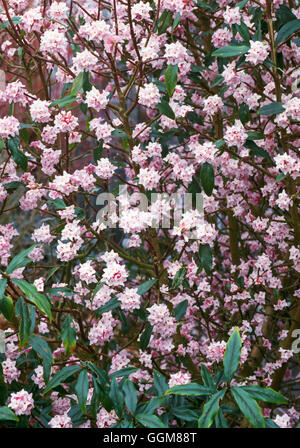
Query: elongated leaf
point(7, 308)
point(287, 30)
point(150, 421)
point(265, 394)
point(165, 109)
point(41, 347)
point(65, 101)
point(207, 377)
point(180, 309)
point(205, 254)
point(232, 355)
point(193, 389)
point(116, 395)
point(271, 109)
point(226, 52)
point(144, 287)
point(82, 389)
point(185, 414)
point(20, 260)
point(111, 305)
point(171, 78)
point(160, 383)
point(18, 156)
point(34, 296)
point(7, 414)
point(151, 406)
point(210, 409)
point(248, 407)
point(123, 372)
point(145, 337)
point(68, 335)
point(207, 178)
point(3, 282)
point(131, 395)
point(61, 376)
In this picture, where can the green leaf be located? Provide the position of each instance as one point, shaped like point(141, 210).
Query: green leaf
point(271, 109)
point(82, 389)
point(171, 78)
point(150, 421)
point(287, 30)
point(22, 310)
point(41, 347)
point(34, 296)
point(144, 287)
point(207, 377)
point(7, 414)
point(3, 282)
point(176, 21)
point(271, 424)
point(15, 20)
point(60, 377)
point(256, 150)
point(243, 31)
point(109, 306)
point(220, 420)
point(98, 151)
point(226, 52)
point(265, 394)
point(123, 372)
point(180, 309)
point(253, 135)
point(165, 109)
point(116, 396)
point(145, 337)
point(185, 414)
point(65, 101)
point(218, 80)
point(160, 383)
point(131, 395)
point(68, 335)
point(20, 260)
point(232, 355)
point(77, 84)
point(207, 178)
point(18, 156)
point(248, 407)
point(206, 258)
point(191, 389)
point(210, 409)
point(151, 406)
point(7, 308)
point(280, 177)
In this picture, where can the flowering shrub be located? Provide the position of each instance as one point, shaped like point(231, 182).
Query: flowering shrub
point(115, 312)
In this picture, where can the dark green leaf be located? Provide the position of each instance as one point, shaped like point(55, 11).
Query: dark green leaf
point(265, 394)
point(145, 337)
point(20, 260)
point(34, 296)
point(61, 376)
point(171, 78)
point(7, 414)
point(232, 355)
point(226, 52)
point(271, 109)
point(287, 30)
point(206, 258)
point(144, 287)
point(191, 389)
point(210, 409)
point(82, 389)
point(18, 156)
point(207, 178)
point(248, 407)
point(165, 109)
point(131, 395)
point(150, 421)
point(180, 309)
